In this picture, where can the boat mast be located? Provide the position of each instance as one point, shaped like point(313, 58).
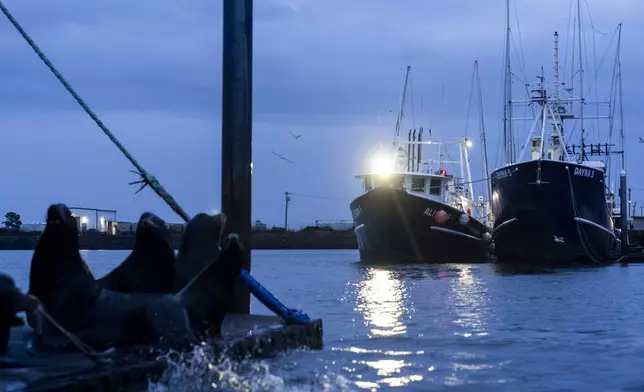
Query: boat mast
point(621, 105)
point(402, 107)
point(488, 184)
point(465, 162)
point(508, 138)
point(581, 84)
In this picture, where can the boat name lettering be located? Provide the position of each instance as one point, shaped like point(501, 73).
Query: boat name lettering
point(356, 212)
point(504, 173)
point(429, 212)
point(583, 172)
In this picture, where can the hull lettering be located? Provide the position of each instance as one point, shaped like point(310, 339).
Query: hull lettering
point(583, 172)
point(356, 212)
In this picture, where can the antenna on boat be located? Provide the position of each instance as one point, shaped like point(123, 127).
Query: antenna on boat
point(402, 107)
point(555, 67)
point(581, 85)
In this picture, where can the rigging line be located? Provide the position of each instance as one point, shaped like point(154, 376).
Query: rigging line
point(565, 57)
point(601, 61)
point(592, 22)
point(588, 68)
point(572, 64)
point(316, 197)
point(522, 62)
point(596, 71)
point(469, 104)
point(411, 93)
point(147, 179)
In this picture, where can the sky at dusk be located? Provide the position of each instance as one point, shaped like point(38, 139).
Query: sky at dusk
point(331, 71)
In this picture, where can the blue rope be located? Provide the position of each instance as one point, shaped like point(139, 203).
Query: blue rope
point(290, 316)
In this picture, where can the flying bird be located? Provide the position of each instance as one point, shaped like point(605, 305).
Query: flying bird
point(281, 157)
point(641, 140)
point(294, 135)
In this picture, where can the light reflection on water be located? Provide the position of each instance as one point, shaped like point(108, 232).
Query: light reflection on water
point(381, 302)
point(385, 299)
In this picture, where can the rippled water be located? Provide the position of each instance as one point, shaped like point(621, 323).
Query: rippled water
point(424, 328)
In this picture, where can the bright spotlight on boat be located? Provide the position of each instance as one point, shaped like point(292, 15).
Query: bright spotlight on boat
point(84, 219)
point(468, 143)
point(381, 165)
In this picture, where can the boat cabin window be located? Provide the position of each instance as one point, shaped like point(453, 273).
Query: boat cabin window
point(397, 182)
point(418, 184)
point(368, 183)
point(435, 186)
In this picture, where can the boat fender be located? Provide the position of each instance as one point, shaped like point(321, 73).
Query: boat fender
point(464, 219)
point(441, 217)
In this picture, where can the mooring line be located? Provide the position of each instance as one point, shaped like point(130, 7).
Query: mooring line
point(147, 179)
point(289, 315)
point(84, 348)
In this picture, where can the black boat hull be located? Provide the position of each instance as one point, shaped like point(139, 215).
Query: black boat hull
point(393, 225)
point(552, 213)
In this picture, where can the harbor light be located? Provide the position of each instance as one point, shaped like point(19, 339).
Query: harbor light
point(84, 220)
point(468, 143)
point(381, 164)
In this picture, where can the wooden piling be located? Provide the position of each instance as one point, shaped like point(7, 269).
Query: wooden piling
point(236, 129)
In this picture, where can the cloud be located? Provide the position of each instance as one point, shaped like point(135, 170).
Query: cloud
point(329, 70)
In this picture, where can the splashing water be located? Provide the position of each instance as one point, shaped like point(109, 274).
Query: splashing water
point(198, 370)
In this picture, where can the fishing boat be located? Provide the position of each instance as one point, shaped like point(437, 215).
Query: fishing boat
point(553, 202)
point(412, 209)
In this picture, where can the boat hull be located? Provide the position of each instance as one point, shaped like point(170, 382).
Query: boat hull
point(393, 225)
point(552, 213)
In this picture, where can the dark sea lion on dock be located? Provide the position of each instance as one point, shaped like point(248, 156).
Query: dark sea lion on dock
point(103, 318)
point(12, 301)
point(150, 266)
point(199, 246)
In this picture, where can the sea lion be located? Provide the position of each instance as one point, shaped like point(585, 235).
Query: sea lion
point(149, 268)
point(103, 318)
point(12, 301)
point(199, 246)
point(207, 296)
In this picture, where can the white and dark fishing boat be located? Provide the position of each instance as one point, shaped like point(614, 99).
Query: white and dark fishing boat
point(413, 210)
point(552, 203)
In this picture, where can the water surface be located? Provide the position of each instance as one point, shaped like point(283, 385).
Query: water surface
point(448, 327)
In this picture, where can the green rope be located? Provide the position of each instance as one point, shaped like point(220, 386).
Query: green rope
point(147, 178)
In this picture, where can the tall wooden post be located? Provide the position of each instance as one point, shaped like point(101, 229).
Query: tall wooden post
point(236, 123)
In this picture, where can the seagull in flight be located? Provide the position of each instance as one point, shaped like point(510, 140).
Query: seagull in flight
point(281, 157)
point(641, 140)
point(294, 135)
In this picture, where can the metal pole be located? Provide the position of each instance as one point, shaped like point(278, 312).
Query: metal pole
point(286, 200)
point(236, 130)
point(623, 207)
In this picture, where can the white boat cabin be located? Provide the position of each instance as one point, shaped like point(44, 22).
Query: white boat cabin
point(441, 187)
point(421, 171)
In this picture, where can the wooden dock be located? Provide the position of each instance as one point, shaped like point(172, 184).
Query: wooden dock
point(245, 337)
